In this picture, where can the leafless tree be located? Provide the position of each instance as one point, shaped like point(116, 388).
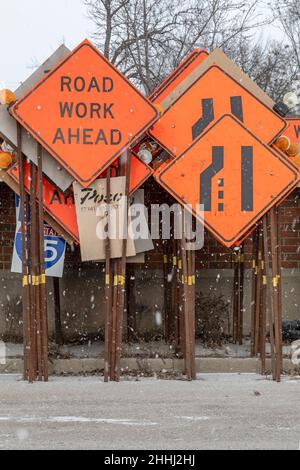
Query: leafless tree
point(287, 13)
point(147, 39)
point(268, 65)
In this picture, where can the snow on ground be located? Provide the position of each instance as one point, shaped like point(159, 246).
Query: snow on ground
point(148, 350)
point(218, 411)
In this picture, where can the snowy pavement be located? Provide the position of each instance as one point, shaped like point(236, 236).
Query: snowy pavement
point(218, 411)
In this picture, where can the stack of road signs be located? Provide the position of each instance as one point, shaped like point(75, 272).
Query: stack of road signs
point(219, 133)
point(79, 119)
point(79, 109)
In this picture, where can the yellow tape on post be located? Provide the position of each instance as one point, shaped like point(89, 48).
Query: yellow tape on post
point(159, 108)
point(35, 280)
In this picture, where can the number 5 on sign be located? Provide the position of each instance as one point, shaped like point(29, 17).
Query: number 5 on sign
point(55, 248)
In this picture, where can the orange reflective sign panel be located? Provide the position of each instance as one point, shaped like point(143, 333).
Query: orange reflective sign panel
point(228, 179)
point(61, 206)
point(293, 129)
point(214, 94)
point(85, 113)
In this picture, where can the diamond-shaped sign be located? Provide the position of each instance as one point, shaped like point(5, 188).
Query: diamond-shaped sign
point(85, 113)
point(214, 94)
point(234, 176)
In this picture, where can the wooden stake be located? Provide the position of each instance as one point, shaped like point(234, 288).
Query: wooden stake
point(122, 269)
point(42, 270)
point(235, 298)
point(28, 365)
point(241, 296)
point(263, 310)
point(253, 289)
point(269, 299)
point(108, 285)
point(277, 316)
point(34, 273)
point(259, 280)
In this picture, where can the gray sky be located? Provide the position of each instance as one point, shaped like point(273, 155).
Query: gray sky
point(32, 29)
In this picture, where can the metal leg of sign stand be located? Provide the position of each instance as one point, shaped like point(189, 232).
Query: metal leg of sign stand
point(34, 288)
point(114, 320)
point(235, 299)
point(187, 329)
point(108, 286)
point(28, 366)
point(42, 270)
point(263, 310)
point(174, 291)
point(269, 297)
point(259, 280)
point(192, 298)
point(181, 304)
point(241, 297)
point(166, 293)
point(188, 307)
point(126, 168)
point(176, 313)
point(276, 291)
point(279, 287)
point(253, 289)
point(238, 296)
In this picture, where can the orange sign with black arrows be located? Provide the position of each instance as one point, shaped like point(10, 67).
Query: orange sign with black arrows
point(213, 95)
point(228, 179)
point(85, 113)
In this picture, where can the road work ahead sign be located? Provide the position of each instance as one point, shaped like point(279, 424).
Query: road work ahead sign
point(85, 113)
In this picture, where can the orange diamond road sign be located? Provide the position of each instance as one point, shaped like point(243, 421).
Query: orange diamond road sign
point(214, 94)
point(85, 113)
point(233, 175)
